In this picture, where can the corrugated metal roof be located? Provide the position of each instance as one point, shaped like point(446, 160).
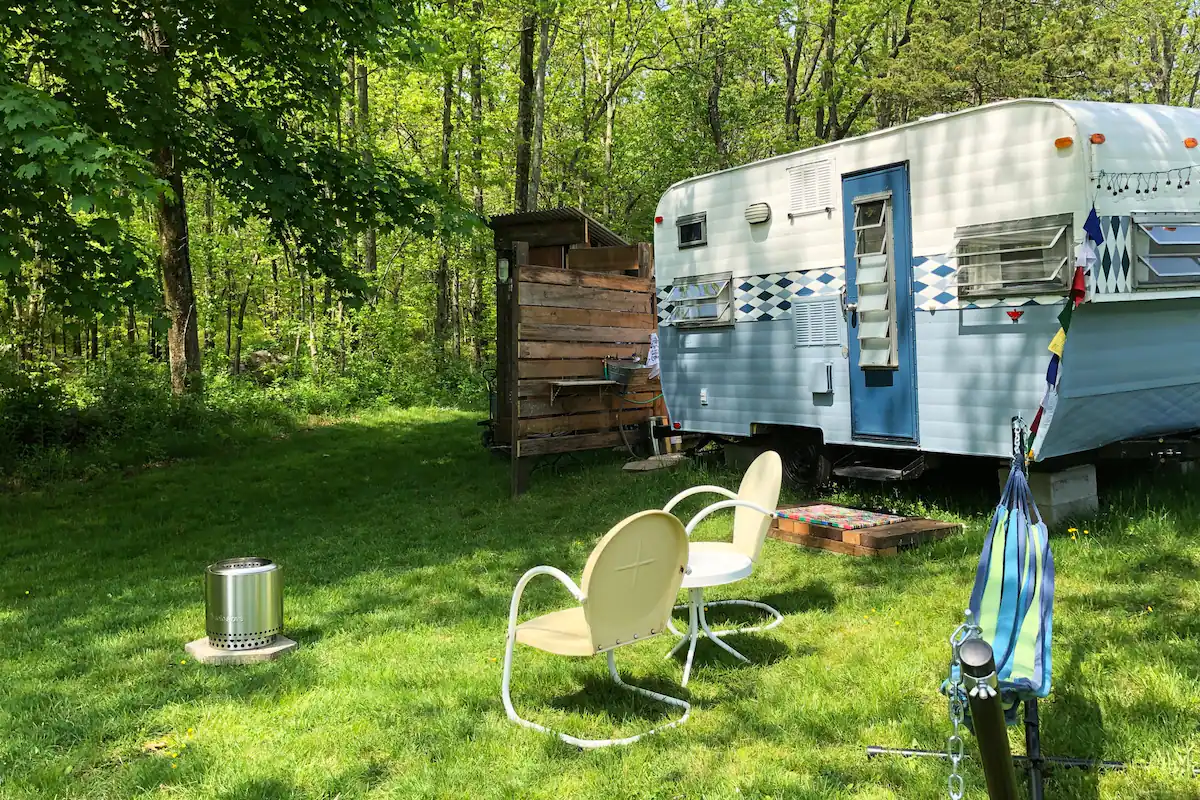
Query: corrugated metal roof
point(600, 235)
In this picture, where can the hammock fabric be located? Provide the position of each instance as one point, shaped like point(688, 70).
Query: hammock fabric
point(1013, 599)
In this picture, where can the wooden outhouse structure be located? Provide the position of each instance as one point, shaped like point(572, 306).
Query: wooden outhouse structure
point(575, 314)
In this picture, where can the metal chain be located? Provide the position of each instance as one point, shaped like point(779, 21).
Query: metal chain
point(958, 712)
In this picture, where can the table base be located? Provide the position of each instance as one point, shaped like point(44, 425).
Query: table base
point(698, 624)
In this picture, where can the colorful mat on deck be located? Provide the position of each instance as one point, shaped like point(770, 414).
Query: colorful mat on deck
point(846, 519)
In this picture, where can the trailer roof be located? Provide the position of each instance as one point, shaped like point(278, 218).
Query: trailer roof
point(1089, 116)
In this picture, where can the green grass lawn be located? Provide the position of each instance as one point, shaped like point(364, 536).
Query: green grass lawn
point(401, 548)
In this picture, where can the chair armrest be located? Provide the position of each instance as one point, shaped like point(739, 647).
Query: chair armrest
point(553, 572)
point(699, 490)
point(723, 504)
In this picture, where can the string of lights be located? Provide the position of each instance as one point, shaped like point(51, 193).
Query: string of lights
point(1144, 182)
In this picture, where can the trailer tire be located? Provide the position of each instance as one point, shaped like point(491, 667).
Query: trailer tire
point(806, 465)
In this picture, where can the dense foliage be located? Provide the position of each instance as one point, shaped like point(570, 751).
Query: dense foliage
point(278, 188)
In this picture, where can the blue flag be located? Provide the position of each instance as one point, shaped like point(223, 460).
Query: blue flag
point(1092, 227)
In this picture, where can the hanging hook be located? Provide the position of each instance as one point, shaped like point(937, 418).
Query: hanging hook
point(1018, 442)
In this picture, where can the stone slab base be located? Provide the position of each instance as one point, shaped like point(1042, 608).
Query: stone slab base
point(205, 653)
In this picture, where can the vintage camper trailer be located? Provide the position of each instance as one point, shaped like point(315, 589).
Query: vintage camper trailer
point(894, 295)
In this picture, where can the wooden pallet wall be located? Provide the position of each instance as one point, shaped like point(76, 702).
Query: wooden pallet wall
point(565, 324)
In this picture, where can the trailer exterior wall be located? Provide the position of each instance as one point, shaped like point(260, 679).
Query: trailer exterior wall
point(1134, 371)
point(1130, 368)
point(993, 164)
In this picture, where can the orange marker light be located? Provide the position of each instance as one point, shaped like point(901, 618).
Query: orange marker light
point(1190, 142)
point(1097, 138)
point(1063, 142)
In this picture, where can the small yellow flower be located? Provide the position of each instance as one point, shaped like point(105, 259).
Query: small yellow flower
point(183, 661)
point(174, 755)
point(865, 616)
point(1149, 608)
point(1073, 539)
point(1085, 531)
point(26, 591)
point(1072, 530)
point(190, 731)
point(897, 622)
point(174, 766)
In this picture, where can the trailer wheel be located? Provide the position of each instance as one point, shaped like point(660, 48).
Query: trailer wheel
point(805, 463)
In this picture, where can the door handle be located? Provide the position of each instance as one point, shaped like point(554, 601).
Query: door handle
point(852, 310)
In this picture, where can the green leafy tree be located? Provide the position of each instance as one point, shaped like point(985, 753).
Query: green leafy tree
point(239, 93)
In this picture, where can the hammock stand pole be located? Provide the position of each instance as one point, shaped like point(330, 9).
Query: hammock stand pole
point(991, 732)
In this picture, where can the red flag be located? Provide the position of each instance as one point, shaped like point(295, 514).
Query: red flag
point(1078, 287)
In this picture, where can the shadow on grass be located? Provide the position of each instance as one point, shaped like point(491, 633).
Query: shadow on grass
point(406, 525)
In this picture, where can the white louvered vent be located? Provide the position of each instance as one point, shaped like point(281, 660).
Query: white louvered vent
point(811, 186)
point(817, 321)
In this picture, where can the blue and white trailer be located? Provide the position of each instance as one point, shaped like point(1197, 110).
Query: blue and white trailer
point(895, 294)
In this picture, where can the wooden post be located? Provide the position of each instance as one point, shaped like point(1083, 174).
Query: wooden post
point(504, 351)
point(645, 260)
point(519, 469)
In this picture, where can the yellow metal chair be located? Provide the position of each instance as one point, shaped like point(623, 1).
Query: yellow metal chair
point(754, 504)
point(629, 587)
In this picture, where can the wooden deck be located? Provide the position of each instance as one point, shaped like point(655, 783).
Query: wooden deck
point(879, 540)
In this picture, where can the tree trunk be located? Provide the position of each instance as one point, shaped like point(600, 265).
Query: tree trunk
point(178, 290)
point(479, 251)
point(313, 364)
point(179, 293)
point(524, 114)
point(369, 247)
point(715, 123)
point(241, 321)
point(443, 321)
point(228, 293)
point(827, 110)
point(210, 338)
point(539, 112)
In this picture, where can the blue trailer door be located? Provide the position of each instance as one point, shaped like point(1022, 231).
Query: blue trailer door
point(883, 387)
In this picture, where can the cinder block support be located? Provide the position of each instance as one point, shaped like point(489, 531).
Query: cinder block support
point(1063, 494)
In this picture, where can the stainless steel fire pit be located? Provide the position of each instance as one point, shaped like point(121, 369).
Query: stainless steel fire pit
point(243, 599)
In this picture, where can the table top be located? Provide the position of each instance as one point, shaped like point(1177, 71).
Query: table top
point(715, 568)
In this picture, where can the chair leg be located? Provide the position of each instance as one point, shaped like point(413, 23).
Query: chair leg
point(778, 618)
point(716, 639)
point(589, 744)
point(691, 640)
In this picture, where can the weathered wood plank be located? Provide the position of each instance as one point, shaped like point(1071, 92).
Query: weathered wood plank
point(547, 256)
point(538, 404)
point(581, 333)
point(568, 444)
point(646, 260)
point(604, 259)
point(590, 280)
point(542, 234)
point(576, 350)
point(546, 315)
point(907, 534)
point(537, 294)
point(562, 368)
point(518, 470)
point(572, 423)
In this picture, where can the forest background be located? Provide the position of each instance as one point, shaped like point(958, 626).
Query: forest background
point(219, 218)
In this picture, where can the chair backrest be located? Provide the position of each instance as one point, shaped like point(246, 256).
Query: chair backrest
point(632, 578)
point(760, 485)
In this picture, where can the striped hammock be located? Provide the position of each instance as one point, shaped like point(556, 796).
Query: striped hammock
point(1013, 598)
